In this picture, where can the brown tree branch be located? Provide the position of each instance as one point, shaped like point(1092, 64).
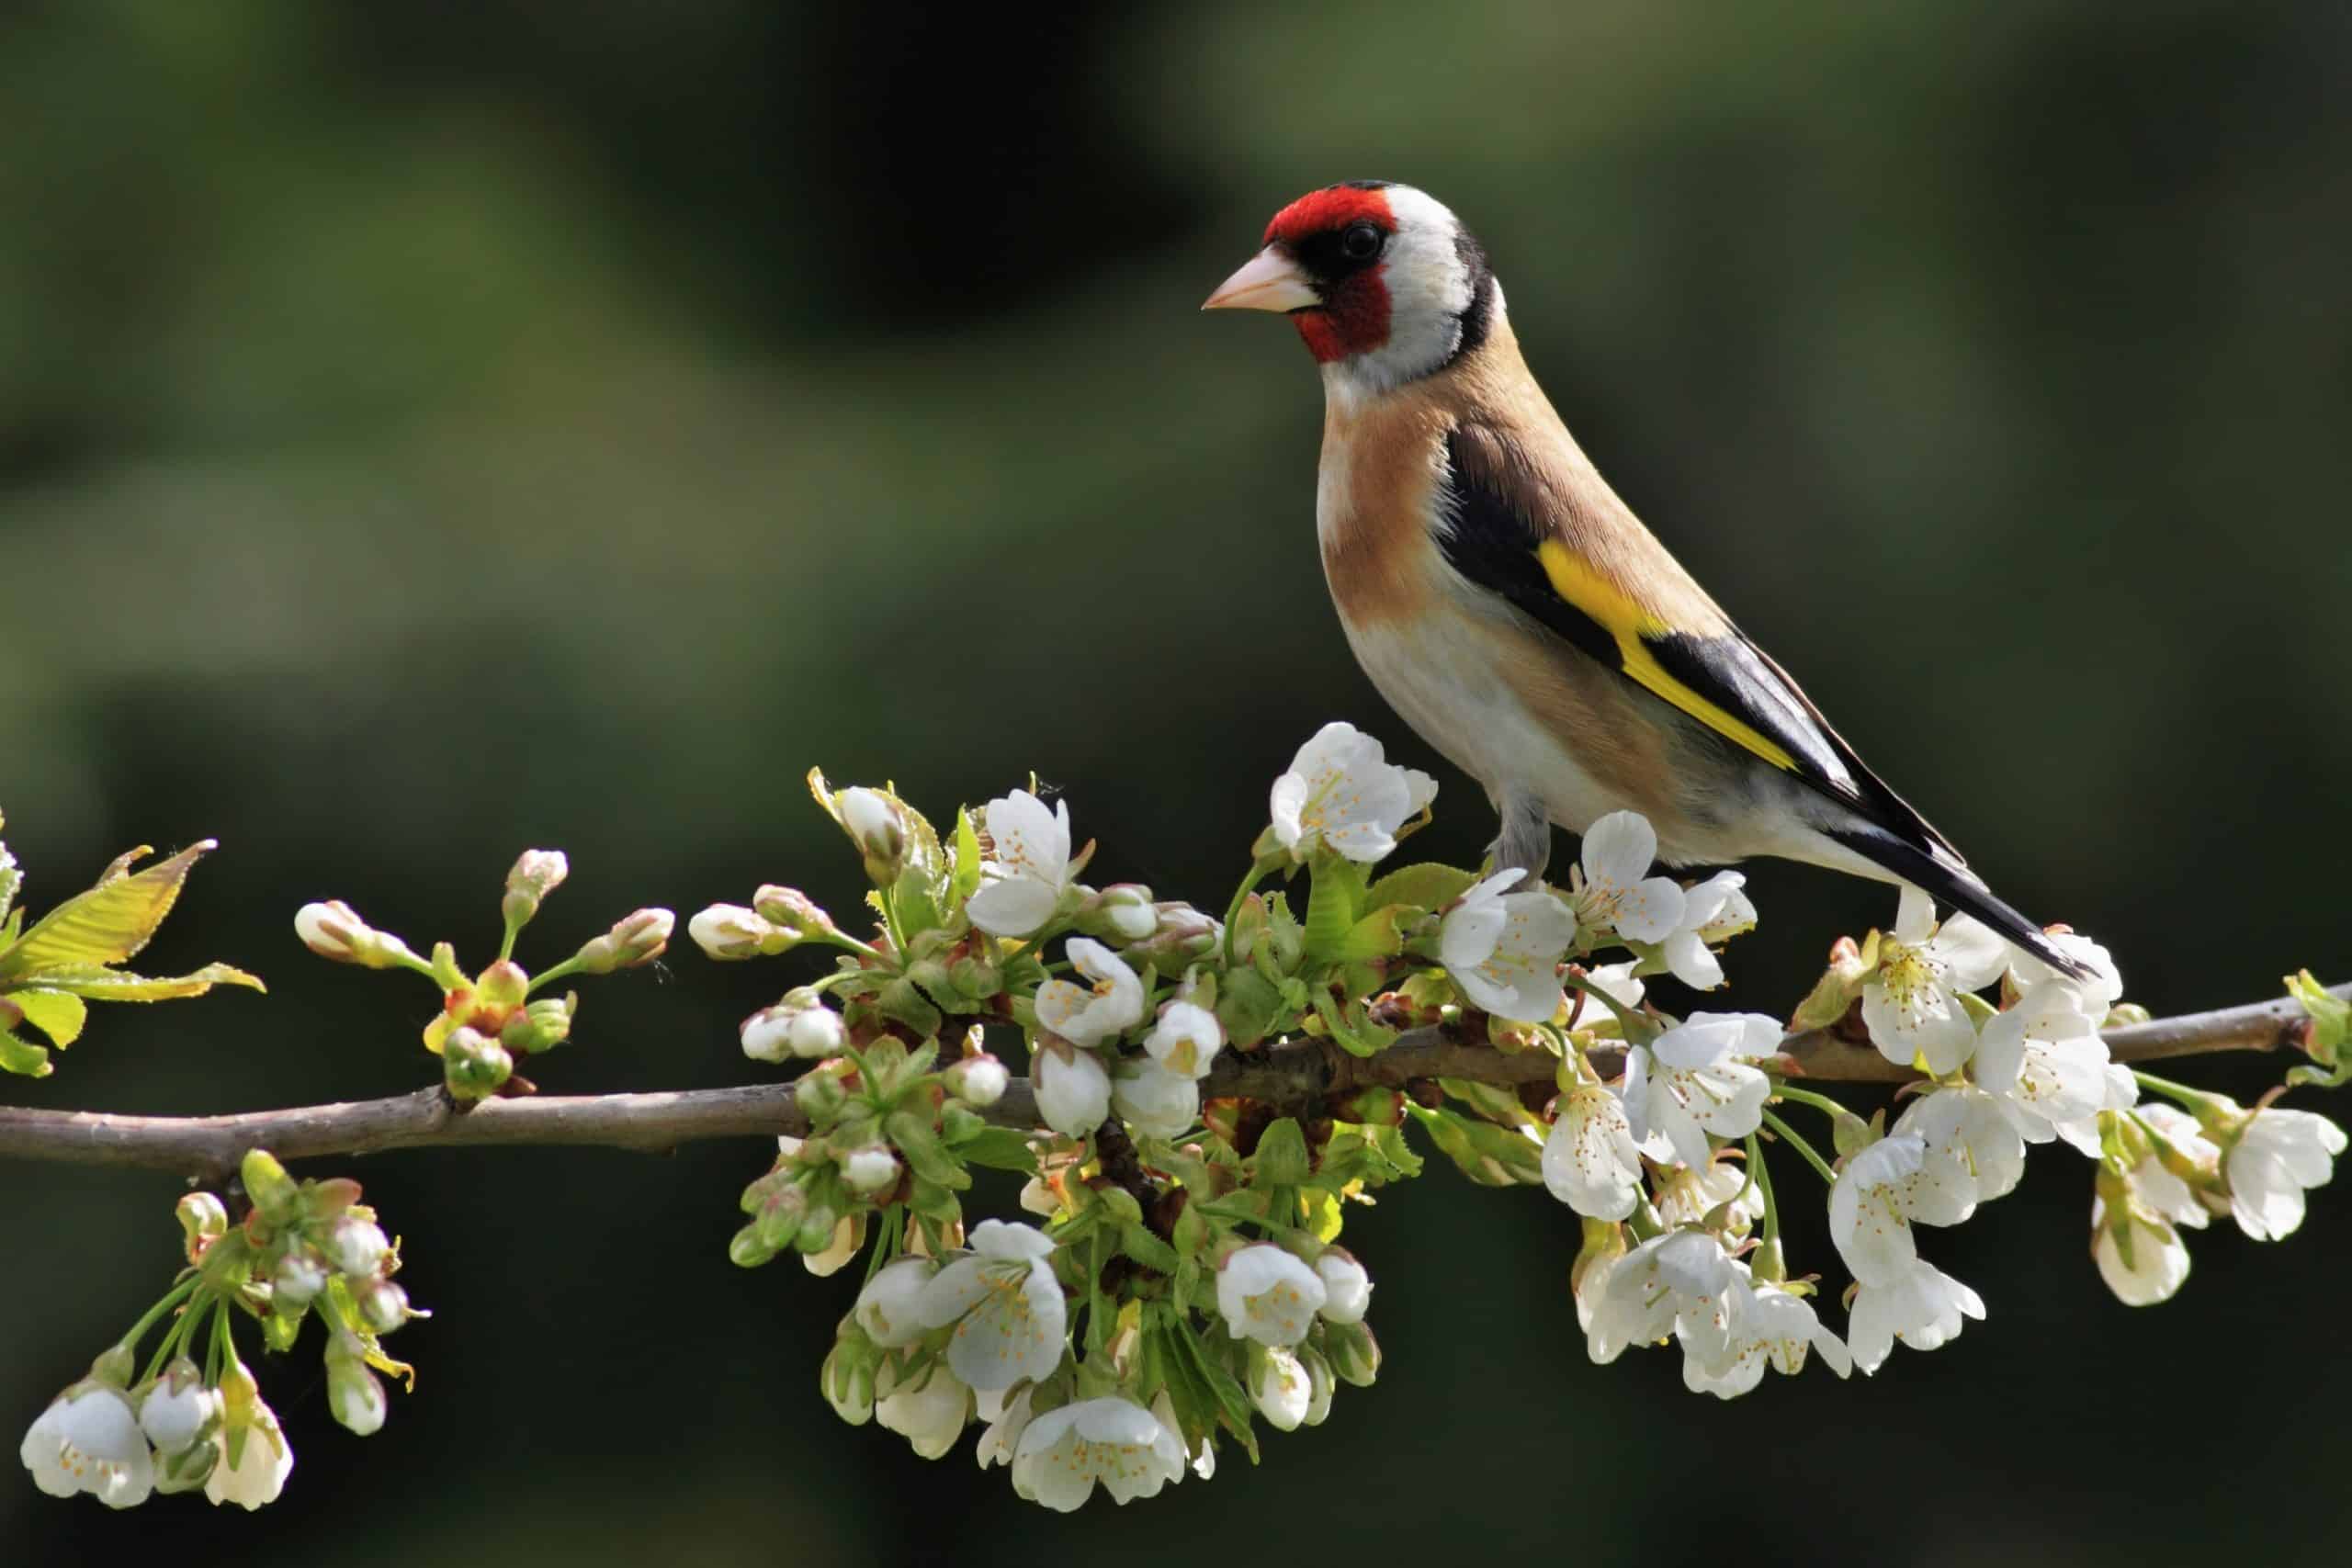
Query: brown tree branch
point(1300, 1074)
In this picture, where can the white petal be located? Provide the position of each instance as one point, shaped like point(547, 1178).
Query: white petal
point(1650, 911)
point(1618, 849)
point(1014, 906)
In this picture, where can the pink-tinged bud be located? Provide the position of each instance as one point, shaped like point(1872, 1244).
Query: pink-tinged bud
point(792, 909)
point(535, 874)
point(635, 939)
point(331, 930)
point(356, 1247)
point(502, 986)
point(729, 931)
point(383, 1305)
point(817, 1032)
point(541, 1026)
point(977, 1080)
point(204, 1219)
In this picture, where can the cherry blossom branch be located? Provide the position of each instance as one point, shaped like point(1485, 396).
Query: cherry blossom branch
point(1298, 1075)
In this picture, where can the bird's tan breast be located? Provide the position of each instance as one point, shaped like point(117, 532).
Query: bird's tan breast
point(1376, 500)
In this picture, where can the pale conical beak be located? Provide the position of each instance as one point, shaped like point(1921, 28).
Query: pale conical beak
point(1267, 281)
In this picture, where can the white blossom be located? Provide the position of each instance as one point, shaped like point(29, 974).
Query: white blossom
point(929, 1413)
point(2279, 1155)
point(1769, 1327)
point(2044, 1061)
point(89, 1440)
point(1680, 1282)
point(1618, 983)
point(1027, 870)
point(1186, 1039)
point(1163, 1410)
point(1110, 1004)
point(889, 1308)
point(1341, 791)
point(1869, 1222)
point(1281, 1389)
point(1687, 1194)
point(2139, 1252)
point(1265, 1293)
point(1919, 1304)
point(262, 1467)
point(1347, 1287)
point(1073, 1089)
point(1970, 1152)
point(177, 1406)
point(1007, 1416)
point(1063, 1453)
point(1911, 1003)
point(2096, 995)
point(1153, 1100)
point(1612, 888)
point(1591, 1160)
point(2120, 1091)
point(1504, 949)
point(1697, 1078)
point(1005, 1303)
point(1713, 912)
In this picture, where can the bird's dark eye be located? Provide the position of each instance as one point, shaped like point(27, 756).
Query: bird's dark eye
point(1360, 241)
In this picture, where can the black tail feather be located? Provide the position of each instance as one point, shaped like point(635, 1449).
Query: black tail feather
point(1960, 887)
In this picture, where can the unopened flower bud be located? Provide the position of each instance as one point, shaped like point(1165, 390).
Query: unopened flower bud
point(638, 938)
point(977, 1080)
point(541, 1026)
point(503, 985)
point(334, 931)
point(870, 1170)
point(975, 977)
point(177, 1408)
point(474, 1065)
point(792, 909)
point(1321, 1384)
point(849, 1239)
point(1354, 1353)
point(356, 1247)
point(1182, 932)
point(273, 1192)
point(820, 1096)
point(536, 874)
point(767, 1034)
point(383, 1305)
point(958, 1122)
point(819, 1227)
point(1121, 913)
point(298, 1280)
point(352, 1394)
point(877, 826)
point(817, 1032)
point(203, 1218)
point(746, 1251)
point(847, 1380)
point(186, 1471)
point(727, 932)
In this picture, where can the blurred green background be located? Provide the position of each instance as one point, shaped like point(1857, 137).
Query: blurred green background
point(430, 429)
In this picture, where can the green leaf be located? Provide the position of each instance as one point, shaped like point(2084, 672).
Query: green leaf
point(968, 857)
point(1232, 1400)
point(99, 983)
point(999, 1149)
point(1334, 886)
point(921, 1146)
point(23, 1057)
point(10, 880)
point(109, 922)
point(1425, 887)
point(1281, 1159)
point(54, 1013)
point(1322, 1214)
point(1378, 935)
point(1248, 1007)
point(1137, 1243)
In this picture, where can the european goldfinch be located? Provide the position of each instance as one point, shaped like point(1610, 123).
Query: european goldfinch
point(1514, 610)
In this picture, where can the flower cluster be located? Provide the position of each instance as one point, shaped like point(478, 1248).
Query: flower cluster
point(1208, 1099)
point(193, 1418)
point(489, 1022)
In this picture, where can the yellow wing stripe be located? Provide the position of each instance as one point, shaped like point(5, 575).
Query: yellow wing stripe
point(1609, 607)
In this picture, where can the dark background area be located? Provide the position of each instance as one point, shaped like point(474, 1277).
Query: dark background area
point(435, 429)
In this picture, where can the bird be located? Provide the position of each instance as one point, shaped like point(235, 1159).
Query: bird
point(1514, 610)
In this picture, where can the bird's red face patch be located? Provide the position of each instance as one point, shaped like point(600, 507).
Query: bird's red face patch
point(1353, 317)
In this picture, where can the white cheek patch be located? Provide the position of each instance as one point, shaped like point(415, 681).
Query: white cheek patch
point(1428, 288)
